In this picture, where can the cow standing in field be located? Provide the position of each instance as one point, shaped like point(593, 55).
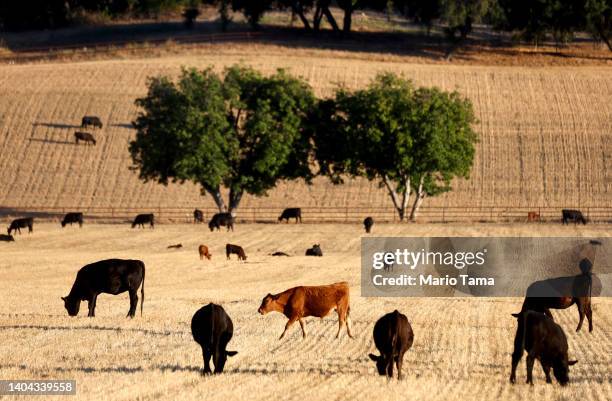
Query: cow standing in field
point(368, 222)
point(143, 219)
point(543, 340)
point(299, 302)
point(74, 217)
point(291, 213)
point(221, 219)
point(230, 248)
point(198, 216)
point(533, 216)
point(213, 329)
point(18, 224)
point(204, 253)
point(93, 121)
point(85, 137)
point(314, 251)
point(393, 336)
point(544, 304)
point(572, 215)
point(111, 276)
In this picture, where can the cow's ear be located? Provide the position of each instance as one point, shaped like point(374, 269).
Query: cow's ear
point(231, 353)
point(570, 363)
point(373, 357)
point(63, 299)
point(516, 315)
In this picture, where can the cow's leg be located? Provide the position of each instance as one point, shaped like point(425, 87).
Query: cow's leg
point(530, 361)
point(548, 313)
point(589, 315)
point(91, 305)
point(302, 326)
point(546, 369)
point(340, 323)
point(399, 361)
point(289, 323)
point(517, 354)
point(133, 303)
point(581, 308)
point(390, 366)
point(206, 355)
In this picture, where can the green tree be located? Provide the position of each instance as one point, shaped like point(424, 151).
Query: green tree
point(241, 131)
point(252, 10)
point(599, 20)
point(406, 138)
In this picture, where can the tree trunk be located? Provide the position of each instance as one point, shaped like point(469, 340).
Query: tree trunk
point(604, 37)
point(298, 10)
point(216, 195)
point(348, 19)
point(420, 195)
point(316, 22)
point(234, 199)
point(330, 19)
point(400, 207)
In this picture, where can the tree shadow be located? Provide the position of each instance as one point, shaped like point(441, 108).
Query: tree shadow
point(53, 141)
point(56, 125)
point(123, 125)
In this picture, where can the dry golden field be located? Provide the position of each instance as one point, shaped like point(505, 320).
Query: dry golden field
point(546, 132)
point(461, 351)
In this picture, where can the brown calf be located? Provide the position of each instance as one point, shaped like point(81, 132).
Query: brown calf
point(229, 249)
point(300, 302)
point(533, 216)
point(203, 249)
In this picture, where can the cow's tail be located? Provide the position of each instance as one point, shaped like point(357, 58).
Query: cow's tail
point(142, 289)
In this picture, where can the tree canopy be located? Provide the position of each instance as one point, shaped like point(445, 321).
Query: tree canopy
point(240, 130)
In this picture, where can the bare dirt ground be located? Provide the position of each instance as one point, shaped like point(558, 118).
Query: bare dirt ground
point(461, 351)
point(544, 131)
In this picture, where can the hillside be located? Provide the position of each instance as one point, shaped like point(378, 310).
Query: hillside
point(546, 133)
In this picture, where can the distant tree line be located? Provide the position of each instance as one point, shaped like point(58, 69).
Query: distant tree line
point(531, 19)
point(243, 132)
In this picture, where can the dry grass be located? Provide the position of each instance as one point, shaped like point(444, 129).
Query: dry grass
point(545, 132)
point(461, 351)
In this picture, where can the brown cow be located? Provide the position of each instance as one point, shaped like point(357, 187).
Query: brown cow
point(203, 249)
point(533, 216)
point(229, 249)
point(300, 302)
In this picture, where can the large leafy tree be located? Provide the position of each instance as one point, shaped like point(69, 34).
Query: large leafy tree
point(598, 15)
point(406, 138)
point(241, 131)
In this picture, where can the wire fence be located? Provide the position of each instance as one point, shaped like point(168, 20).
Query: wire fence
point(340, 214)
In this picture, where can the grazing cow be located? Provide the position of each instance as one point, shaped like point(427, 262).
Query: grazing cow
point(111, 276)
point(18, 224)
point(204, 253)
point(93, 121)
point(299, 302)
point(85, 137)
point(176, 246)
point(229, 249)
point(368, 222)
point(543, 340)
point(279, 253)
point(198, 216)
point(393, 336)
point(221, 219)
point(212, 328)
point(291, 213)
point(544, 304)
point(6, 238)
point(572, 215)
point(314, 251)
point(143, 219)
point(74, 217)
point(533, 216)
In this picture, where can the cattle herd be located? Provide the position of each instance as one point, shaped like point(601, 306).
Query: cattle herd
point(212, 328)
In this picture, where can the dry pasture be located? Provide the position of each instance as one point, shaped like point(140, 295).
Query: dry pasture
point(461, 351)
point(545, 132)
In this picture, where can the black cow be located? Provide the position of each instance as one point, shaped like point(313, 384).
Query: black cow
point(314, 251)
point(291, 213)
point(111, 276)
point(18, 224)
point(198, 216)
point(212, 328)
point(221, 219)
point(93, 121)
point(368, 222)
point(143, 219)
point(6, 238)
point(543, 340)
point(85, 137)
point(393, 336)
point(279, 253)
point(74, 217)
point(236, 249)
point(573, 215)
